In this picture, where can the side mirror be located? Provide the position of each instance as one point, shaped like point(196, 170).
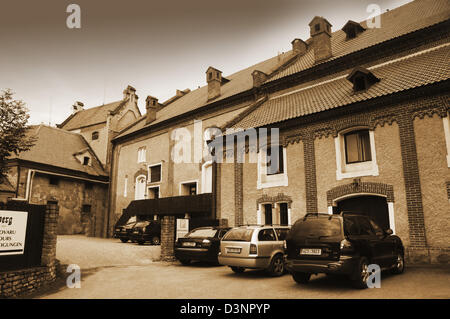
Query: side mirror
point(389, 232)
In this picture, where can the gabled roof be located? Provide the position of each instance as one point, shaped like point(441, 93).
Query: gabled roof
point(57, 147)
point(91, 116)
point(395, 23)
point(418, 69)
point(408, 18)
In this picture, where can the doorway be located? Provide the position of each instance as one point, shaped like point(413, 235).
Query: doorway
point(375, 207)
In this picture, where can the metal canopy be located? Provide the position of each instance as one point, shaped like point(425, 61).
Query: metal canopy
point(192, 204)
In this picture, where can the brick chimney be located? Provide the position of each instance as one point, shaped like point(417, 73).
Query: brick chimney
point(77, 106)
point(299, 46)
point(151, 105)
point(320, 30)
point(259, 78)
point(214, 79)
point(130, 93)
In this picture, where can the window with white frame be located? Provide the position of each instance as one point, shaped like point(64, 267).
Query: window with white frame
point(446, 122)
point(142, 154)
point(207, 177)
point(140, 188)
point(272, 167)
point(355, 154)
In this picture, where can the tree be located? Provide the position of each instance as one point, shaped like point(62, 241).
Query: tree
point(13, 129)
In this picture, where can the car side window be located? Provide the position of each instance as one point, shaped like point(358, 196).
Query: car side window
point(376, 228)
point(351, 226)
point(266, 235)
point(222, 232)
point(364, 226)
point(281, 233)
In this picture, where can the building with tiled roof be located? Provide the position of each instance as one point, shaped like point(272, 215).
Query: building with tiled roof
point(62, 168)
point(361, 120)
point(100, 124)
point(362, 116)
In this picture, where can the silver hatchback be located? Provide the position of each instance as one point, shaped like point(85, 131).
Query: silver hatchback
point(254, 247)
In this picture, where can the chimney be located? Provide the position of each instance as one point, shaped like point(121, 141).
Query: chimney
point(151, 105)
point(214, 79)
point(78, 106)
point(130, 93)
point(320, 30)
point(299, 46)
point(259, 78)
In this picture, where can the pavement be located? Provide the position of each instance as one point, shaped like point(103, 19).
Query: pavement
point(111, 269)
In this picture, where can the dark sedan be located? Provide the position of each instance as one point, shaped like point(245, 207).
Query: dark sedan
point(200, 244)
point(123, 232)
point(147, 231)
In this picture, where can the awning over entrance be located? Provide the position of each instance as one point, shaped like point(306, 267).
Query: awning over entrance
point(192, 204)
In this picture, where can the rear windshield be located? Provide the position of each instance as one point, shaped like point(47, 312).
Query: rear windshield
point(314, 227)
point(202, 232)
point(238, 234)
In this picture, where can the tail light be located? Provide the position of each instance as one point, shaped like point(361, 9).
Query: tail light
point(346, 245)
point(284, 245)
point(253, 249)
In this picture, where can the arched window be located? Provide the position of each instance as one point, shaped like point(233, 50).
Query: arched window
point(95, 135)
point(140, 189)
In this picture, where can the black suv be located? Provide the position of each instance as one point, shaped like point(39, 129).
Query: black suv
point(341, 244)
point(145, 231)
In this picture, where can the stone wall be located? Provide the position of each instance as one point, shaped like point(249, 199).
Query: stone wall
point(20, 281)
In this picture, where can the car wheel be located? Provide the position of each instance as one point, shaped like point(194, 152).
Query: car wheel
point(399, 266)
point(140, 242)
point(361, 274)
point(237, 270)
point(156, 240)
point(123, 240)
point(301, 277)
point(276, 267)
point(185, 261)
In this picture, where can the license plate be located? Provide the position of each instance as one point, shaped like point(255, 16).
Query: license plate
point(234, 250)
point(136, 232)
point(189, 244)
point(311, 251)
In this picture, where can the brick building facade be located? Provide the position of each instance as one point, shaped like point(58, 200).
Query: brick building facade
point(363, 122)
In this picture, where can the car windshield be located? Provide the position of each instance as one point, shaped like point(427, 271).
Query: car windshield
point(317, 227)
point(202, 232)
point(238, 234)
point(142, 224)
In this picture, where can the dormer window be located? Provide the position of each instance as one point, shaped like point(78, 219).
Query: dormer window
point(352, 29)
point(317, 27)
point(362, 79)
point(86, 160)
point(94, 135)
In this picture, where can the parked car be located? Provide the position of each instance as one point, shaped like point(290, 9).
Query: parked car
point(254, 247)
point(123, 232)
point(201, 244)
point(341, 244)
point(147, 231)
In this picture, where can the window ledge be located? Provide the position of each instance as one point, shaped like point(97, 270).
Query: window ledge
point(369, 171)
point(267, 181)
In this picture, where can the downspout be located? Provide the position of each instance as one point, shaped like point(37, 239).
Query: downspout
point(111, 183)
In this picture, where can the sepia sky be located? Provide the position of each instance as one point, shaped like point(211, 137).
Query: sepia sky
point(155, 46)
